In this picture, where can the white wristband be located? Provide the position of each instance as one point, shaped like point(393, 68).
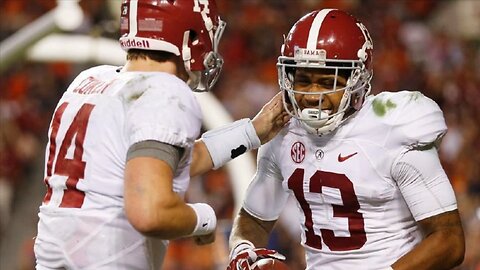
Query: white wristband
point(206, 218)
point(230, 141)
point(389, 268)
point(243, 245)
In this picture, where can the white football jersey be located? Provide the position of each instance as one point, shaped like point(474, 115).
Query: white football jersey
point(101, 114)
point(353, 213)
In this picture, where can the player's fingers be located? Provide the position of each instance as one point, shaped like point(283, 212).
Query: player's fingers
point(275, 103)
point(282, 118)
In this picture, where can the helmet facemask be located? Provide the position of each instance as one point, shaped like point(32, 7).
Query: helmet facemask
point(204, 80)
point(314, 119)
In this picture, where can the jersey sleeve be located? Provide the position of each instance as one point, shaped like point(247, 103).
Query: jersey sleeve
point(161, 108)
point(418, 121)
point(423, 183)
point(417, 126)
point(265, 197)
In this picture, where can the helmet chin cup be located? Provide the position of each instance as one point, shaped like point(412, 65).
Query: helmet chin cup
point(314, 118)
point(317, 121)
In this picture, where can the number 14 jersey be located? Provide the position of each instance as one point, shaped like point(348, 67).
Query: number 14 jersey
point(102, 113)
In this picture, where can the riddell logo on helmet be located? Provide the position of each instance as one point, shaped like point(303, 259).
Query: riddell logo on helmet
point(132, 43)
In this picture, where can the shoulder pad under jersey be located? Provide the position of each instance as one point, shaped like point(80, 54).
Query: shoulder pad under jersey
point(415, 120)
point(160, 107)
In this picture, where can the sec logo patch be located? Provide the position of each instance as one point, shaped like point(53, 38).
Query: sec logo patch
point(297, 152)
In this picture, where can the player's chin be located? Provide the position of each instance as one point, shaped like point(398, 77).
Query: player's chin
point(271, 264)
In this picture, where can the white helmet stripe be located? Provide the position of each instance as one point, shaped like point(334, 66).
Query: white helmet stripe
point(132, 19)
point(314, 30)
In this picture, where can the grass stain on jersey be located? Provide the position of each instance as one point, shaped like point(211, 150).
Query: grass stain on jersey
point(135, 96)
point(415, 95)
point(175, 99)
point(380, 108)
point(136, 90)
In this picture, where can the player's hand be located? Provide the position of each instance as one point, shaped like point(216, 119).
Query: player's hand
point(271, 119)
point(204, 239)
point(247, 259)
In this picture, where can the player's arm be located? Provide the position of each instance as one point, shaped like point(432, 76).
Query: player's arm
point(442, 248)
point(430, 197)
point(151, 205)
point(249, 228)
point(248, 240)
point(263, 203)
point(218, 146)
point(201, 160)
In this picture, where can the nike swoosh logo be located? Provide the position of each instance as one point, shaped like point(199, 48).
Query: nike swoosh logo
point(342, 159)
point(204, 224)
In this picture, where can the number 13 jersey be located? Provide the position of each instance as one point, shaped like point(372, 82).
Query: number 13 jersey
point(354, 215)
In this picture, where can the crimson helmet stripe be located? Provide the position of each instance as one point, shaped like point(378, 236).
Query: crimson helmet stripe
point(132, 19)
point(315, 28)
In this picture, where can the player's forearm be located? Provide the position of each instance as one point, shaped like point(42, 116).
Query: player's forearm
point(175, 220)
point(439, 250)
point(165, 220)
point(201, 160)
point(232, 140)
point(247, 228)
point(154, 209)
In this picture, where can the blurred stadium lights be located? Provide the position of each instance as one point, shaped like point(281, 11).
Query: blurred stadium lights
point(67, 16)
point(77, 49)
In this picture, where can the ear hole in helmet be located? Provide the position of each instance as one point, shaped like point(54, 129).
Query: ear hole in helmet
point(193, 37)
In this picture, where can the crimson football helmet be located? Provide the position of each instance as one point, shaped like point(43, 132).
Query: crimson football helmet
point(191, 29)
point(327, 39)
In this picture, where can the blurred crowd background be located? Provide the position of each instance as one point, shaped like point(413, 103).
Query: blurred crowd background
point(432, 46)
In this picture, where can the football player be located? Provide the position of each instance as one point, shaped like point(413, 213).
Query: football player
point(364, 169)
point(118, 159)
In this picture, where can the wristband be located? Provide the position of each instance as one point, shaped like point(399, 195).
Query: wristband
point(230, 141)
point(206, 219)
